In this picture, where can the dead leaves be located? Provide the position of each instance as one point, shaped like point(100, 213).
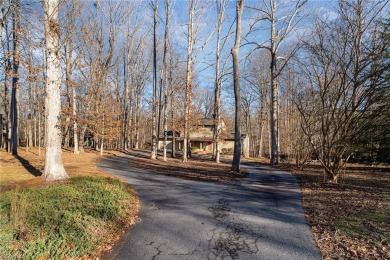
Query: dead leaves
point(350, 220)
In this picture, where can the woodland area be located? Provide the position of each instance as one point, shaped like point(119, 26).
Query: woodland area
point(305, 82)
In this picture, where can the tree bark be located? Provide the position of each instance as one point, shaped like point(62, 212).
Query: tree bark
point(15, 78)
point(75, 126)
point(274, 92)
point(7, 108)
point(165, 62)
point(54, 168)
point(237, 95)
point(187, 102)
point(153, 154)
point(218, 84)
point(2, 18)
point(173, 155)
point(274, 113)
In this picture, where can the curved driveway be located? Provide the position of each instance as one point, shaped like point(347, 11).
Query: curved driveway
point(259, 218)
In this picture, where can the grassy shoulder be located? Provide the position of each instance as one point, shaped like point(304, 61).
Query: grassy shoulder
point(68, 220)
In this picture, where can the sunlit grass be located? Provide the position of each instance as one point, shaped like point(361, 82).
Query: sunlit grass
point(68, 220)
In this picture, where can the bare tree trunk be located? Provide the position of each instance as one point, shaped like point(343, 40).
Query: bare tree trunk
point(34, 114)
point(39, 127)
point(263, 99)
point(237, 94)
point(7, 108)
point(67, 130)
point(274, 93)
point(165, 61)
point(187, 102)
point(261, 139)
point(137, 113)
point(29, 119)
point(173, 155)
point(274, 113)
point(132, 119)
point(153, 154)
point(218, 84)
point(75, 126)
point(15, 78)
point(2, 16)
point(125, 99)
point(103, 132)
point(54, 168)
point(68, 56)
point(280, 29)
point(7, 111)
point(1, 134)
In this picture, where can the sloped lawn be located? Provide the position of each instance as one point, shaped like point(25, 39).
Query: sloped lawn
point(76, 218)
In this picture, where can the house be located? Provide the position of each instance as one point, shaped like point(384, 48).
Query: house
point(201, 138)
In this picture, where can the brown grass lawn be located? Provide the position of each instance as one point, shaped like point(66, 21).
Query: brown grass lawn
point(26, 168)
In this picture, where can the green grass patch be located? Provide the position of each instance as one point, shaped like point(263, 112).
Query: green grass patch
point(366, 224)
point(68, 220)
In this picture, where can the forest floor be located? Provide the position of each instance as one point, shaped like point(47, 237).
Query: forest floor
point(198, 168)
point(351, 219)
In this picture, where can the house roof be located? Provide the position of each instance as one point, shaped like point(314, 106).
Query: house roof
point(202, 139)
point(205, 139)
point(206, 121)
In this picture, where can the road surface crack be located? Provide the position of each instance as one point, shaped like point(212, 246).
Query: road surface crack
point(159, 251)
point(232, 236)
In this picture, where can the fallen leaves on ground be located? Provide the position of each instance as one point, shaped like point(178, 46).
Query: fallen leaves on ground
point(194, 169)
point(351, 219)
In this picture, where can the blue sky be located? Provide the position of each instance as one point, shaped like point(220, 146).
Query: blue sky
point(206, 73)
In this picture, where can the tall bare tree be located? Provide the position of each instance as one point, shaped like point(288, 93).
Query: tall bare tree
point(195, 13)
point(2, 19)
point(237, 94)
point(347, 82)
point(71, 61)
point(220, 6)
point(54, 168)
point(187, 102)
point(153, 154)
point(168, 4)
point(282, 22)
point(14, 113)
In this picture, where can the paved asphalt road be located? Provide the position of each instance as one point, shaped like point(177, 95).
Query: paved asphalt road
point(259, 218)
